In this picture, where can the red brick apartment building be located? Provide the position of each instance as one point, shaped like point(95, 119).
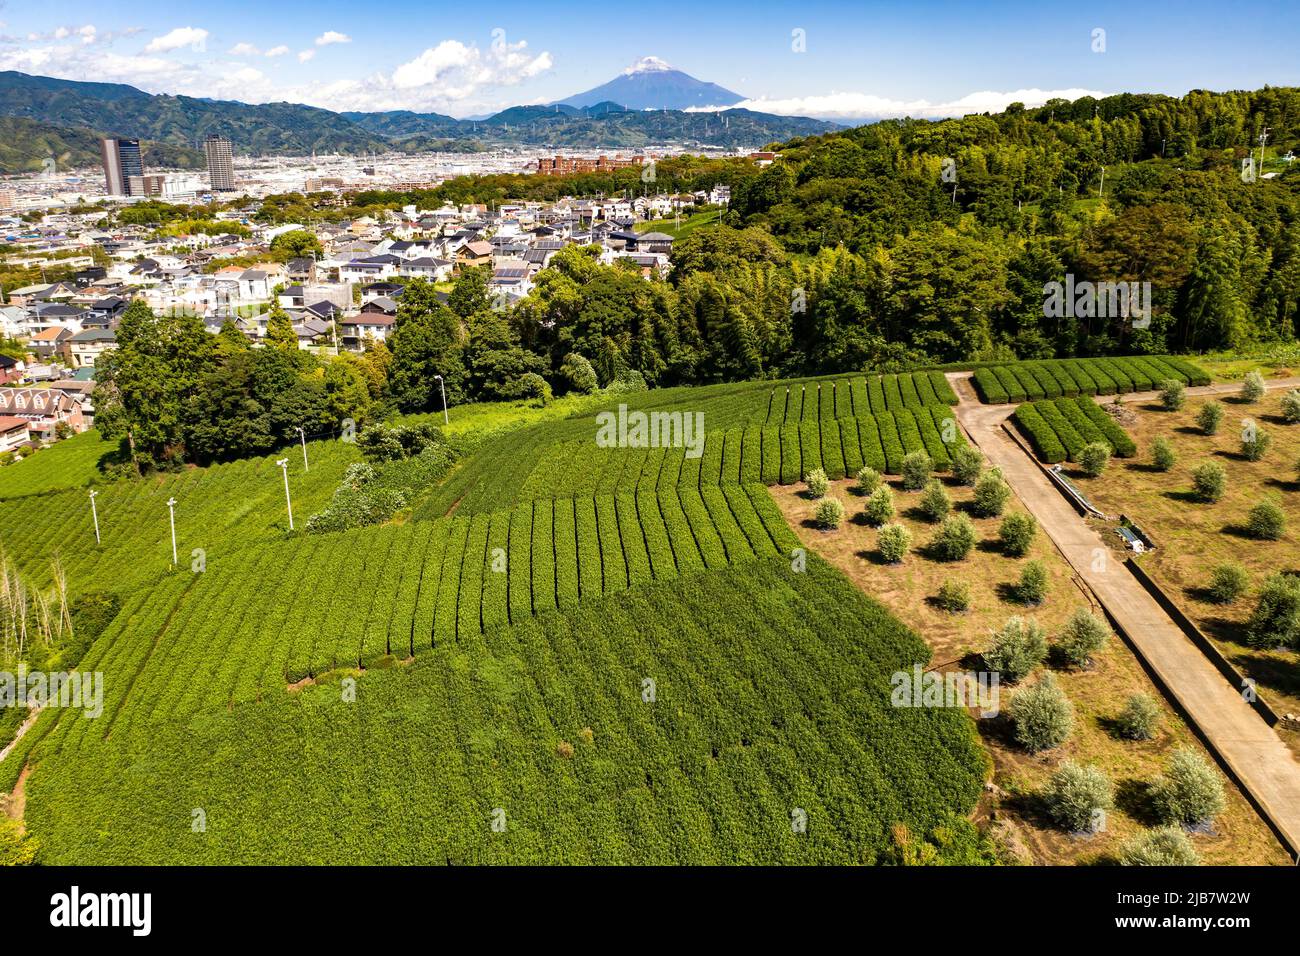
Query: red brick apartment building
point(562, 165)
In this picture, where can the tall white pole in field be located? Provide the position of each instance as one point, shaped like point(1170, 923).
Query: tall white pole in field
point(284, 467)
point(303, 435)
point(443, 386)
point(94, 514)
point(171, 518)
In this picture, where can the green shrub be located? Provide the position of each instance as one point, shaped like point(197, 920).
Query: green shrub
point(1291, 406)
point(577, 371)
point(1033, 584)
point(1016, 649)
point(17, 846)
point(1094, 458)
point(868, 479)
point(1075, 796)
point(1041, 435)
point(1165, 846)
point(954, 596)
point(1228, 582)
point(935, 503)
point(1252, 387)
point(1210, 417)
point(817, 483)
point(879, 506)
point(1210, 481)
point(533, 386)
point(829, 513)
point(1139, 718)
point(1254, 441)
point(1275, 622)
point(991, 494)
point(1017, 533)
point(917, 467)
point(1043, 715)
point(1190, 792)
point(967, 463)
point(955, 539)
point(894, 541)
point(1267, 521)
point(1162, 454)
point(1084, 635)
point(1173, 395)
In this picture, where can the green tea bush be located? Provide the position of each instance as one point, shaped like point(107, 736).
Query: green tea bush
point(829, 513)
point(1209, 481)
point(1017, 533)
point(879, 506)
point(1210, 417)
point(917, 467)
point(1043, 715)
point(817, 483)
point(991, 494)
point(1084, 635)
point(1017, 649)
point(894, 541)
point(935, 503)
point(1190, 792)
point(955, 538)
point(1075, 795)
point(1164, 846)
point(954, 596)
point(1139, 718)
point(1267, 521)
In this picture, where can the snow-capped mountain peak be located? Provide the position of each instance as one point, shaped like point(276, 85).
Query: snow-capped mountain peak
point(648, 64)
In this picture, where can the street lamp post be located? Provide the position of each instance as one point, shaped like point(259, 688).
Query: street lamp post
point(303, 436)
point(284, 467)
point(94, 514)
point(171, 518)
point(443, 387)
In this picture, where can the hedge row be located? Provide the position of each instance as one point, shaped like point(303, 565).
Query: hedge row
point(1057, 378)
point(1059, 429)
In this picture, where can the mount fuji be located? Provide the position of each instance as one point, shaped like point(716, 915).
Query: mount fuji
point(652, 84)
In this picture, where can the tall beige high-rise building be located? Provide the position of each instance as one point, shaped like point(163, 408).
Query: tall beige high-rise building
point(221, 163)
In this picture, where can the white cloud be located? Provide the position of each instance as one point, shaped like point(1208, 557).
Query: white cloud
point(450, 76)
point(194, 37)
point(850, 106)
point(332, 36)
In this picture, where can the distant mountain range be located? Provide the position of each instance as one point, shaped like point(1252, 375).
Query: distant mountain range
point(41, 117)
point(651, 84)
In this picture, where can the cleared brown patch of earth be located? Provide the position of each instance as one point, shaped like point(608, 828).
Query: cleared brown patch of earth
point(1098, 694)
point(1192, 537)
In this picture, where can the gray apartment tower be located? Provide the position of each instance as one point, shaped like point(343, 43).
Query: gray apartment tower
point(221, 163)
point(122, 160)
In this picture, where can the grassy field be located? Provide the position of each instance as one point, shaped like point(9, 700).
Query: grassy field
point(71, 463)
point(1098, 693)
point(219, 509)
point(1192, 537)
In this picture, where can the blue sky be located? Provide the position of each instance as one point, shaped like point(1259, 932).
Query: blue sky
point(917, 58)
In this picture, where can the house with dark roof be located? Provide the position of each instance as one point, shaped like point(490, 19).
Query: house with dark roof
point(86, 346)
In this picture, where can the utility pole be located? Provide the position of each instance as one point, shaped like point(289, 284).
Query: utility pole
point(171, 518)
point(288, 502)
point(303, 436)
point(1263, 138)
point(443, 386)
point(94, 514)
point(1102, 188)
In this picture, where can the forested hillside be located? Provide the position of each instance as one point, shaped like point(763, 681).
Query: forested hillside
point(903, 243)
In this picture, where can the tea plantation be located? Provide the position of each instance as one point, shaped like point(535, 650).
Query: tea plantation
point(560, 653)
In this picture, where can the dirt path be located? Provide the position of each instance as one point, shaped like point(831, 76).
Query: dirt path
point(1248, 747)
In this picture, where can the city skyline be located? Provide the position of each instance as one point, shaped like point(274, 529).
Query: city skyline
point(813, 61)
